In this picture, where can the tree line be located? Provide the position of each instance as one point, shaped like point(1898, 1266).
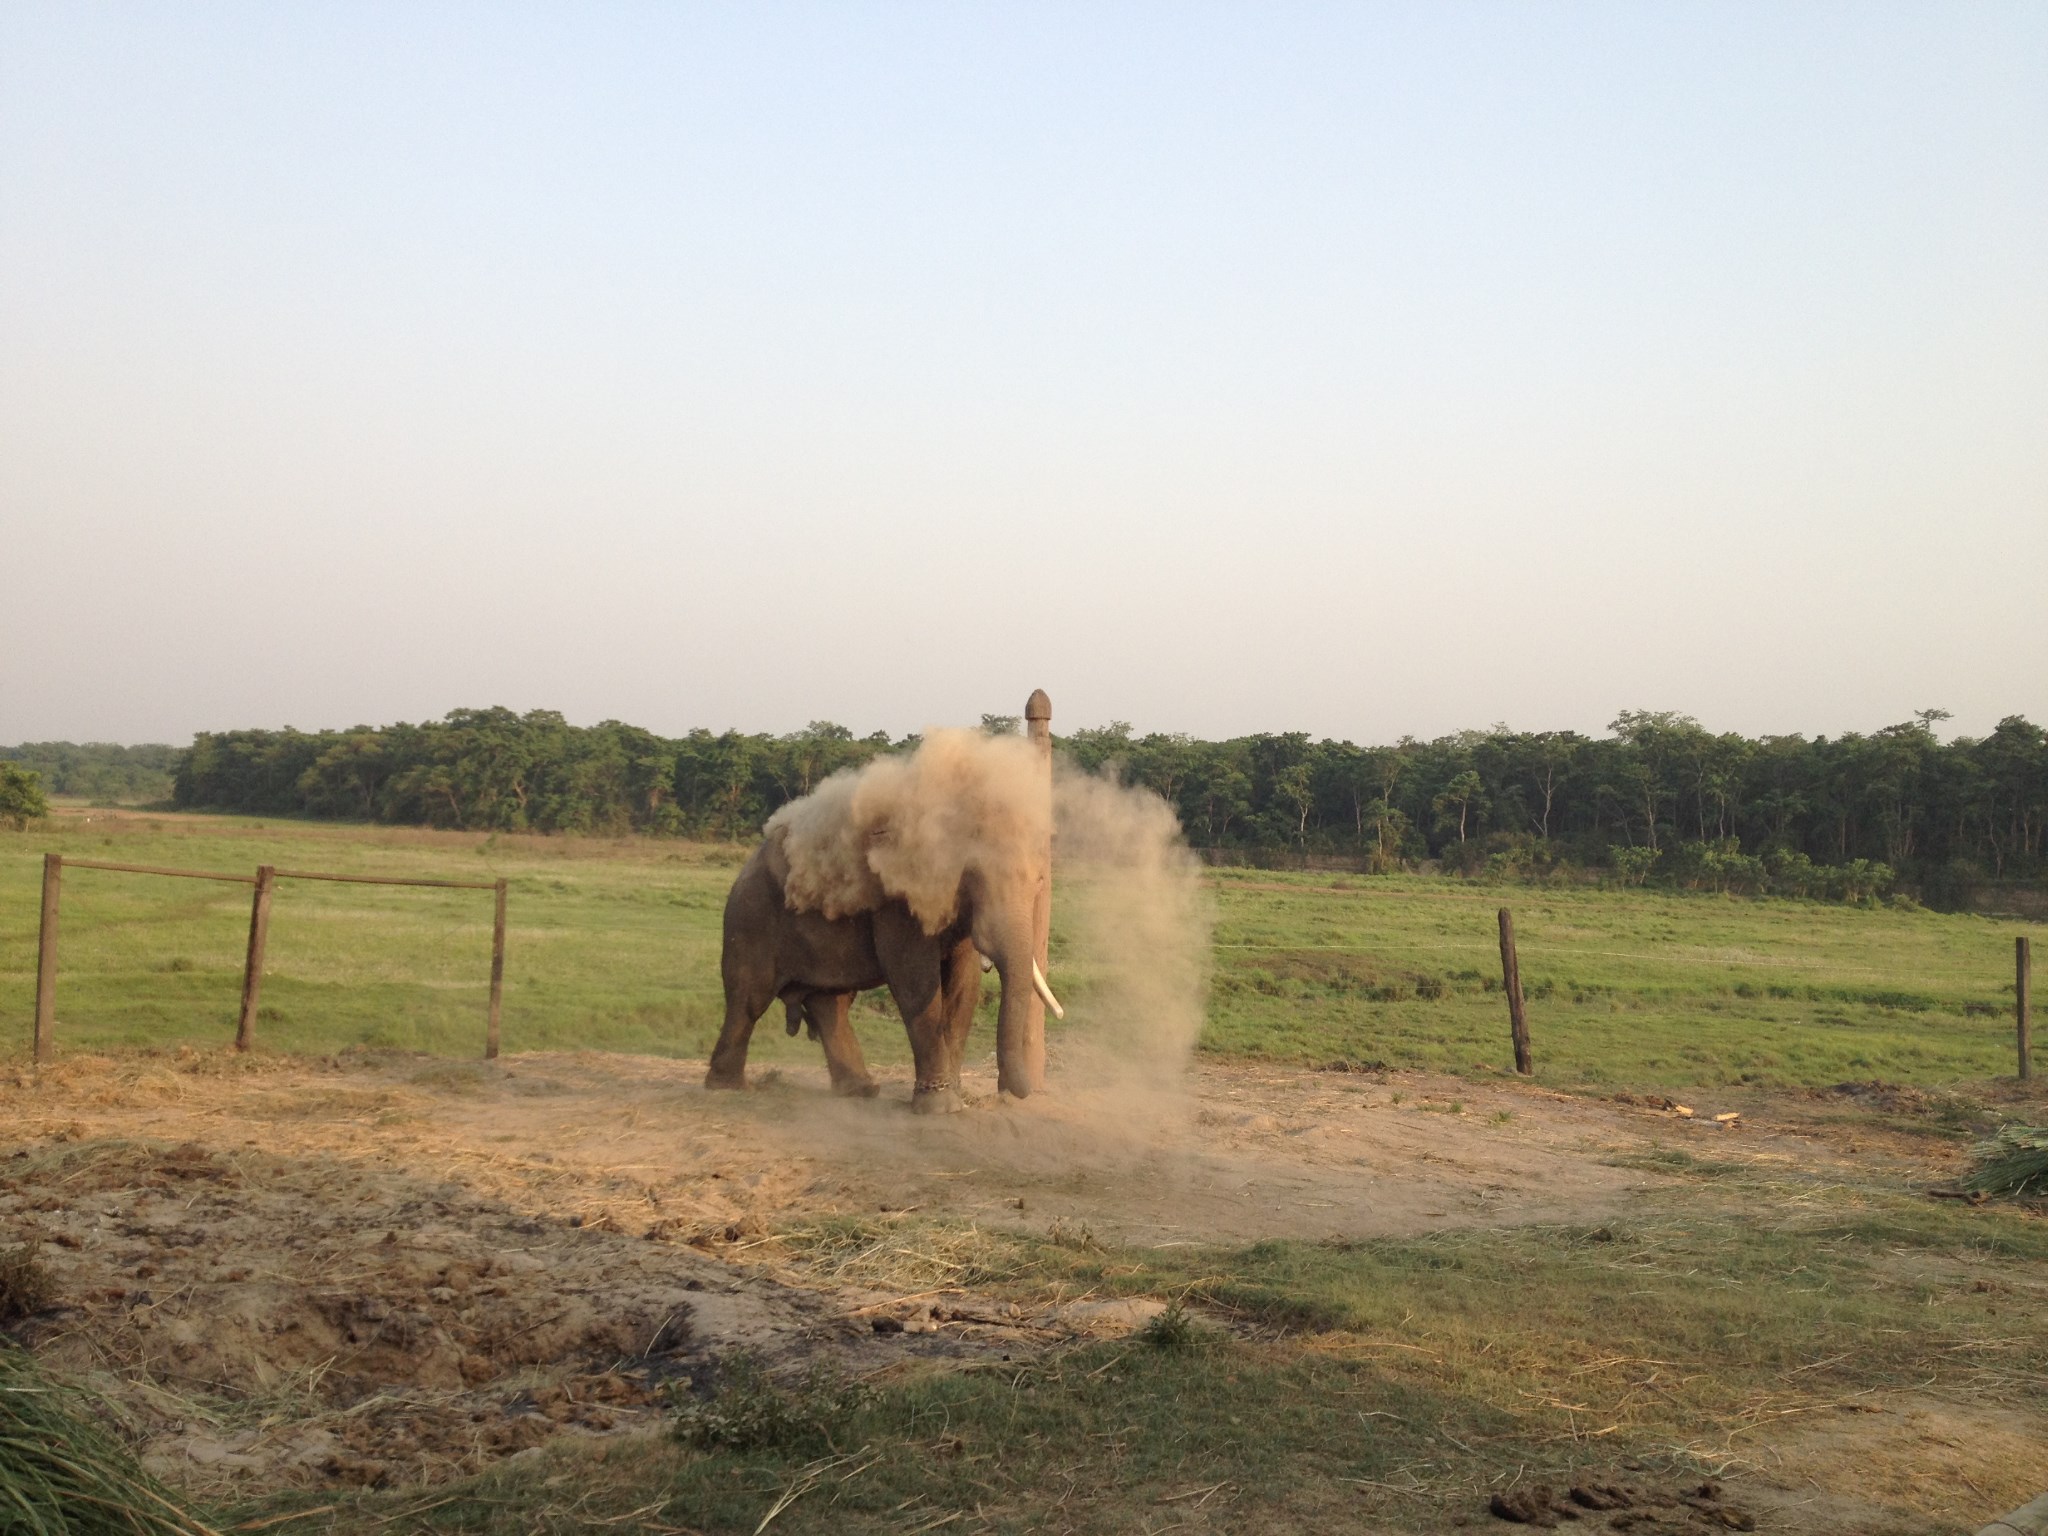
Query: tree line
point(99, 771)
point(1660, 798)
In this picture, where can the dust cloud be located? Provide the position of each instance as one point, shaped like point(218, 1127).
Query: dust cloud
point(1133, 921)
point(1130, 956)
point(911, 825)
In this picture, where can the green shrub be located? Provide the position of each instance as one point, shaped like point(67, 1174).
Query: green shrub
point(21, 796)
point(748, 1411)
point(1175, 1331)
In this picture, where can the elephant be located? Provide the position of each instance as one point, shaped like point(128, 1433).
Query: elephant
point(972, 878)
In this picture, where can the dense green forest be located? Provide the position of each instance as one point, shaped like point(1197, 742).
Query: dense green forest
point(1659, 799)
point(99, 771)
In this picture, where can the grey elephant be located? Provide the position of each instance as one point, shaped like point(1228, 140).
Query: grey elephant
point(903, 874)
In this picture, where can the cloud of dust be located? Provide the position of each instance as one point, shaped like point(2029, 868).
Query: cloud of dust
point(1133, 920)
point(910, 826)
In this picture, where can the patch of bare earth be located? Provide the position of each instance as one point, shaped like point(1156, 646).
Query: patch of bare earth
point(393, 1269)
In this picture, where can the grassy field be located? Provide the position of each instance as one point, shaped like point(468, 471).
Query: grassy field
point(1748, 1314)
point(614, 945)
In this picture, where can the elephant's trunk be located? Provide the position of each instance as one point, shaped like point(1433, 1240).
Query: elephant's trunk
point(1020, 1030)
point(1003, 933)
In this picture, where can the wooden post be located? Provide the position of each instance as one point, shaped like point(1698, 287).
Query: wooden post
point(2023, 986)
point(497, 974)
point(1030, 1068)
point(1511, 980)
point(252, 966)
point(46, 958)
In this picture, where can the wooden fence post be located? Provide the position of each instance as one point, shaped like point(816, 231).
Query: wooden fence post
point(1511, 981)
point(497, 974)
point(252, 967)
point(2023, 980)
point(46, 958)
point(1020, 1068)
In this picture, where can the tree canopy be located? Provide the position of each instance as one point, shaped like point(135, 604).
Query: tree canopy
point(1659, 797)
point(21, 796)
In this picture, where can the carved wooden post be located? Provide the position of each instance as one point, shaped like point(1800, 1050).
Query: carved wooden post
point(2023, 986)
point(46, 958)
point(497, 974)
point(252, 966)
point(1038, 726)
point(1511, 981)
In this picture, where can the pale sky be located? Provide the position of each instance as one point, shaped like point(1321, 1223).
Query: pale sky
point(1358, 369)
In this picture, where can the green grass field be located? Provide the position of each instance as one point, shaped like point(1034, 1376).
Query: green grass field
point(614, 946)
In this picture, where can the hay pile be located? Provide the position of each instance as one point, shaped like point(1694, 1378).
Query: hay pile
point(62, 1475)
point(2014, 1162)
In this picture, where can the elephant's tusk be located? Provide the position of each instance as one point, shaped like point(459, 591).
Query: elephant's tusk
point(987, 965)
point(1045, 991)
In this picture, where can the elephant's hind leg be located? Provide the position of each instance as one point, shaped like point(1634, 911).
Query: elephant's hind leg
point(729, 1057)
point(830, 1018)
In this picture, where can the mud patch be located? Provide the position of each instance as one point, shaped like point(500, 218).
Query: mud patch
point(1623, 1506)
point(306, 1320)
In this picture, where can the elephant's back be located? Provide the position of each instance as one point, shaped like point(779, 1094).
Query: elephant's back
point(757, 888)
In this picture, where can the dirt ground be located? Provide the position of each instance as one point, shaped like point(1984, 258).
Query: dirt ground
point(390, 1269)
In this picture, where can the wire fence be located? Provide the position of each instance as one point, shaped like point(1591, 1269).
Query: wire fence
point(264, 881)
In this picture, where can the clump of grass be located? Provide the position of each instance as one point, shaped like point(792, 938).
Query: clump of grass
point(905, 1255)
point(1080, 1238)
point(2014, 1162)
point(26, 1287)
point(1175, 1331)
point(748, 1411)
point(61, 1475)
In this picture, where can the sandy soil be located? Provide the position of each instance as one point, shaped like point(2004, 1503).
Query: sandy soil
point(385, 1268)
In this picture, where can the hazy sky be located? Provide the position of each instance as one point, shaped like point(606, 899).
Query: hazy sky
point(1359, 369)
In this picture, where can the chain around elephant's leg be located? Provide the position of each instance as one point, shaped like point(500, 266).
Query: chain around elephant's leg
point(937, 1054)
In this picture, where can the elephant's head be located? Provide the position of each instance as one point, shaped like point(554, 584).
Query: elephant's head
point(959, 830)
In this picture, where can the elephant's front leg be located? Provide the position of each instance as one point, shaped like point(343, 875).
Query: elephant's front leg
point(961, 970)
point(915, 965)
point(830, 1017)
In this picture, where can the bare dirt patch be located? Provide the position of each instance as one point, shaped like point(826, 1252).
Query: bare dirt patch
point(386, 1269)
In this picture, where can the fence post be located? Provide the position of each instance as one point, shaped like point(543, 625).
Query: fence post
point(46, 958)
point(497, 974)
point(2023, 979)
point(252, 967)
point(1020, 1065)
point(1511, 981)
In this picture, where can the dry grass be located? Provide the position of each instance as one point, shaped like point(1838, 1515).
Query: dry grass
point(26, 1287)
